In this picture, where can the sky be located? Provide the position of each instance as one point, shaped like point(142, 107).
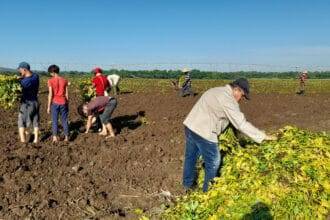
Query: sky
point(220, 34)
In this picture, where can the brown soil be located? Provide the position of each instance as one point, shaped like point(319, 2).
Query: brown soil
point(94, 177)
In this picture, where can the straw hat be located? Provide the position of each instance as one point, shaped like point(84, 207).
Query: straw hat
point(305, 71)
point(185, 70)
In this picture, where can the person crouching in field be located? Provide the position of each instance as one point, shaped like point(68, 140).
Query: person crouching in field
point(185, 84)
point(29, 108)
point(212, 113)
point(102, 106)
point(58, 98)
point(100, 82)
point(302, 80)
point(114, 80)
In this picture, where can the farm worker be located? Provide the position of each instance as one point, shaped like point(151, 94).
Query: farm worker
point(212, 113)
point(100, 82)
point(302, 79)
point(185, 83)
point(29, 109)
point(58, 98)
point(102, 106)
point(114, 80)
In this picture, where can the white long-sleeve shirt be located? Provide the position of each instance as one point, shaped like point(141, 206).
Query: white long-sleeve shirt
point(213, 112)
point(113, 79)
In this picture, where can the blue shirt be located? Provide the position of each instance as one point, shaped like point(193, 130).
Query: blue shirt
point(30, 88)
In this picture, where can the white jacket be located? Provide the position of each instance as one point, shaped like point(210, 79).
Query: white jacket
point(213, 112)
point(113, 79)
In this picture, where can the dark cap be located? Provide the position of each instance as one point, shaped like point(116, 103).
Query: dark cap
point(244, 85)
point(24, 65)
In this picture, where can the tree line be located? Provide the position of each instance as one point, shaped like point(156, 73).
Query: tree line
point(197, 74)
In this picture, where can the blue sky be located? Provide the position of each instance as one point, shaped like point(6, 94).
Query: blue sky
point(80, 34)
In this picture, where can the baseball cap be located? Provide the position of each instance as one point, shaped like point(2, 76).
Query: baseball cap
point(24, 65)
point(244, 85)
point(97, 70)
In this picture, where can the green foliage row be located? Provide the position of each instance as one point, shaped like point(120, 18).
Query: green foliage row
point(197, 74)
point(9, 91)
point(284, 179)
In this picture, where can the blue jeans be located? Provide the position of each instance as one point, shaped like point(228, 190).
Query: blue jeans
point(196, 146)
point(64, 111)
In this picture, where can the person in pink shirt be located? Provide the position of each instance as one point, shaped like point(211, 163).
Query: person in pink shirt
point(58, 102)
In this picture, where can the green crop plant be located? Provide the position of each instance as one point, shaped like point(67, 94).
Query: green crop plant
point(9, 91)
point(284, 179)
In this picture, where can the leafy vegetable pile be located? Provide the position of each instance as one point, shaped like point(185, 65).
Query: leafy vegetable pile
point(284, 179)
point(9, 91)
point(86, 89)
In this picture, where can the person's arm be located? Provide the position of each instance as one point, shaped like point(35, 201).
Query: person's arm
point(89, 123)
point(238, 120)
point(50, 97)
point(26, 84)
point(67, 93)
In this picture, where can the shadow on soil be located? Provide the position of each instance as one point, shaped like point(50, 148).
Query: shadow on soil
point(260, 211)
point(131, 122)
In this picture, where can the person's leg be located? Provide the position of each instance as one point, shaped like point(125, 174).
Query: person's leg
point(211, 156)
point(35, 121)
point(55, 109)
point(109, 128)
point(191, 92)
point(22, 123)
point(191, 156)
point(36, 134)
point(182, 92)
point(302, 88)
point(64, 109)
point(185, 91)
point(115, 90)
point(118, 89)
point(103, 132)
point(106, 116)
point(22, 135)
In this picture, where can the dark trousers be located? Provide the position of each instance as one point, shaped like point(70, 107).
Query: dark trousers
point(186, 91)
point(62, 110)
point(108, 110)
point(196, 146)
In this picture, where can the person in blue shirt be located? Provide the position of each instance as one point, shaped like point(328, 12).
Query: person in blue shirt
point(29, 108)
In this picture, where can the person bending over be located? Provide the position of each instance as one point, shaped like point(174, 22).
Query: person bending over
point(102, 106)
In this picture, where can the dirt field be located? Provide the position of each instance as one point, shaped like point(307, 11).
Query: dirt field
point(93, 177)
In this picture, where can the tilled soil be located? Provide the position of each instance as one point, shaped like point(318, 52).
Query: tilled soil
point(94, 177)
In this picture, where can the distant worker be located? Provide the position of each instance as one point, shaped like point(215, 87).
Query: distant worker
point(102, 107)
point(29, 108)
point(207, 120)
point(302, 80)
point(100, 82)
point(185, 83)
point(58, 98)
point(114, 80)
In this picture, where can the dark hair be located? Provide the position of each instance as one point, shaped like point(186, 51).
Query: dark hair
point(53, 69)
point(80, 110)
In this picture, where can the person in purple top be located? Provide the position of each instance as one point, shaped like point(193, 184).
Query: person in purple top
point(29, 108)
point(102, 107)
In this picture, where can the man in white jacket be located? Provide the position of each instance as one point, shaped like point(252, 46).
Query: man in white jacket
point(212, 113)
